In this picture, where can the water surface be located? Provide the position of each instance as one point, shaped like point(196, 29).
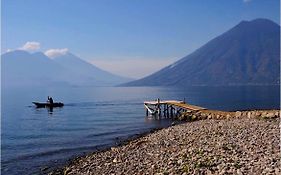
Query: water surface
point(95, 118)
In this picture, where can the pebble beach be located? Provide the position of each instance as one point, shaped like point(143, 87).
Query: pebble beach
point(233, 145)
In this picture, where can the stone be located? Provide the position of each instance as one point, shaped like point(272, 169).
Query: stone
point(249, 115)
point(193, 118)
point(257, 114)
point(239, 172)
point(179, 161)
point(204, 117)
point(238, 114)
point(114, 149)
point(44, 168)
point(270, 115)
point(277, 170)
point(209, 172)
point(115, 160)
point(228, 116)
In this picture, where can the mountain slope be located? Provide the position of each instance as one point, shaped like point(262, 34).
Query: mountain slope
point(247, 54)
point(20, 68)
point(88, 71)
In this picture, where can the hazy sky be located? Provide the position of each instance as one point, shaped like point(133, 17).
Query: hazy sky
point(128, 37)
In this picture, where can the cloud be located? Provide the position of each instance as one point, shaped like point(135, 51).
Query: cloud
point(52, 53)
point(246, 1)
point(30, 46)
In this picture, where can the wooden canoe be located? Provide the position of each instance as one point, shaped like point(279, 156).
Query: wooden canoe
point(48, 105)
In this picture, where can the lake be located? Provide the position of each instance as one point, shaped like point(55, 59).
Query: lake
point(95, 118)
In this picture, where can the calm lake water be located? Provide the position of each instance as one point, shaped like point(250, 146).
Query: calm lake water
point(95, 118)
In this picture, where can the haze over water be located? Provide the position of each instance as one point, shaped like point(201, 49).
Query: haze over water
point(95, 118)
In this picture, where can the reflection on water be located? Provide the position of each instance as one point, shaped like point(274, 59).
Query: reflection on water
point(94, 118)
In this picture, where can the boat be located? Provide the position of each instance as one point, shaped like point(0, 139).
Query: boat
point(48, 105)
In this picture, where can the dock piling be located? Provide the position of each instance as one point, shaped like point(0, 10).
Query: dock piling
point(169, 108)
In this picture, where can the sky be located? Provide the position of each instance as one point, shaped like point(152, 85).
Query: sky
point(132, 38)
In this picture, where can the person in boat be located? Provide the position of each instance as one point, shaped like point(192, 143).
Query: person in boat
point(51, 100)
point(48, 101)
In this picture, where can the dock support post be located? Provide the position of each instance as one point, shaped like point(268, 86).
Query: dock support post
point(166, 111)
point(164, 114)
point(169, 108)
point(158, 107)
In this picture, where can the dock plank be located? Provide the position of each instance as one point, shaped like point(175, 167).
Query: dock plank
point(187, 106)
point(176, 103)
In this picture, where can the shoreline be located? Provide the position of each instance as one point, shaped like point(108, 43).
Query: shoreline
point(82, 163)
point(119, 143)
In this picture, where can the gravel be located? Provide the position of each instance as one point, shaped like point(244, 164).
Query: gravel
point(230, 146)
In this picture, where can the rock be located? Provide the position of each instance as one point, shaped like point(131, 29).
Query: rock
point(270, 115)
point(277, 171)
point(209, 172)
point(239, 172)
point(238, 114)
point(222, 172)
point(257, 114)
point(218, 117)
point(193, 118)
point(263, 114)
point(267, 170)
point(203, 117)
point(115, 160)
point(179, 161)
point(44, 168)
point(66, 171)
point(114, 149)
point(249, 115)
point(228, 116)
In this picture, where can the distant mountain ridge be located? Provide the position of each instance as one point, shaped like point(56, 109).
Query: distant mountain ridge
point(247, 54)
point(21, 68)
point(89, 71)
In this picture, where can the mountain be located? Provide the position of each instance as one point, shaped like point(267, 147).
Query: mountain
point(88, 71)
point(20, 68)
point(247, 54)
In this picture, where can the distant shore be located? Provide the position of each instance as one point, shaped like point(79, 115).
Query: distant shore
point(215, 142)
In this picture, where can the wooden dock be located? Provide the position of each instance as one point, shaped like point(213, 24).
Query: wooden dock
point(169, 108)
